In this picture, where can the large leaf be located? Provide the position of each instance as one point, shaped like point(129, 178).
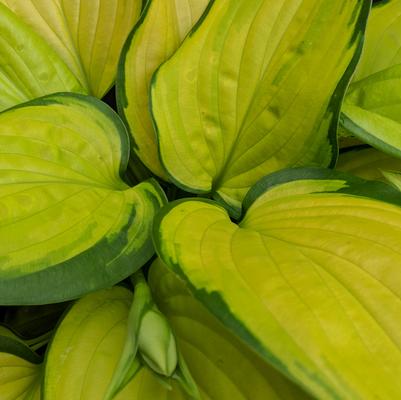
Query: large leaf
point(309, 278)
point(367, 163)
point(29, 67)
point(372, 107)
point(86, 35)
point(250, 91)
point(86, 348)
point(68, 222)
point(223, 367)
point(162, 28)
point(20, 371)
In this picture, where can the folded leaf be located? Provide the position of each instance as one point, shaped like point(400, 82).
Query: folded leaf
point(162, 28)
point(309, 278)
point(367, 163)
point(68, 222)
point(86, 35)
point(29, 67)
point(250, 91)
point(86, 349)
point(372, 107)
point(223, 367)
point(372, 110)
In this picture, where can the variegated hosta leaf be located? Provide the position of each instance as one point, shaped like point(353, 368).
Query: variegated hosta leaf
point(163, 26)
point(29, 67)
point(223, 367)
point(309, 278)
point(87, 35)
point(86, 348)
point(250, 91)
point(20, 371)
point(68, 222)
point(367, 163)
point(372, 107)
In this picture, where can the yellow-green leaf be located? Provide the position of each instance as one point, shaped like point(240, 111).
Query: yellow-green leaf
point(367, 163)
point(69, 223)
point(223, 367)
point(372, 106)
point(86, 348)
point(20, 371)
point(29, 67)
point(163, 26)
point(86, 35)
point(309, 278)
point(254, 88)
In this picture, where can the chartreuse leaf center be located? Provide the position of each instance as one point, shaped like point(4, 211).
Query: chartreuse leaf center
point(226, 115)
point(68, 221)
point(308, 278)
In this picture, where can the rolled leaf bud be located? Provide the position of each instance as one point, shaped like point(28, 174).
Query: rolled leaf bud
point(156, 343)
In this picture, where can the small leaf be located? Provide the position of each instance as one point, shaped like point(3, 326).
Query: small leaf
point(20, 371)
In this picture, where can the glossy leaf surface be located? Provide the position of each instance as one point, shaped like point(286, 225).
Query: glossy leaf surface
point(308, 278)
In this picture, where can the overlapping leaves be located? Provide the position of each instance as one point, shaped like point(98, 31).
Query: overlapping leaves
point(372, 107)
point(52, 46)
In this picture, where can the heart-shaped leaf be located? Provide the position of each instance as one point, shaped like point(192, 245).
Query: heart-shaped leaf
point(87, 36)
point(309, 278)
point(218, 360)
point(250, 91)
point(68, 222)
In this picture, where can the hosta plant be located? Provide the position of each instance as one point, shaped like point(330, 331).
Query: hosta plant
point(199, 236)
